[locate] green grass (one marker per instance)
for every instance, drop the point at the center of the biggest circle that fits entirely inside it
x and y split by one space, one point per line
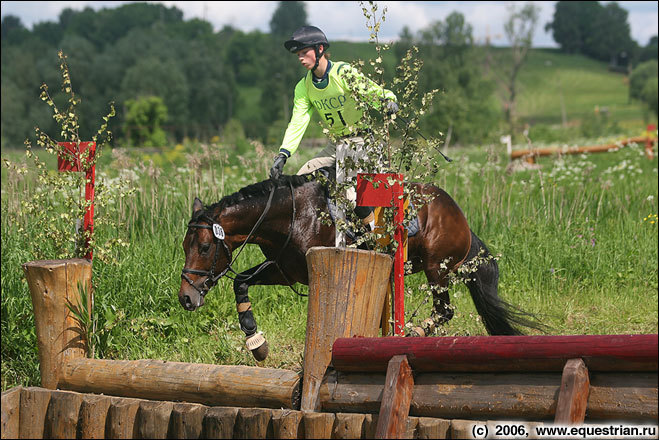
572 242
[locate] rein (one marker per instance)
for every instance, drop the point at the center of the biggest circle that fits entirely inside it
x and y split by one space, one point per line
219 236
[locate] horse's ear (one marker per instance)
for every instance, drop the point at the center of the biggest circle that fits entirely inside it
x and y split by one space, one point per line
197 205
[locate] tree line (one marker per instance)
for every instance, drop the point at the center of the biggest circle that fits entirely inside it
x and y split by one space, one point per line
172 78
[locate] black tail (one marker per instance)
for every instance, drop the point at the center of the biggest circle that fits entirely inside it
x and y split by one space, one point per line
499 317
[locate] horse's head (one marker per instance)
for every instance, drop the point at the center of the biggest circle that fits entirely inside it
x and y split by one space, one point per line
207 257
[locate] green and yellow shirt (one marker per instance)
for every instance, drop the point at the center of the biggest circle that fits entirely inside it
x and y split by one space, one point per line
333 101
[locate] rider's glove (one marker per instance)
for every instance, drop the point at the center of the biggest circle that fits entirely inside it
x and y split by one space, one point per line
390 108
278 166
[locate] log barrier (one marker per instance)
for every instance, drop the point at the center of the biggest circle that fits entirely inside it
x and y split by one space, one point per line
371 387
530 155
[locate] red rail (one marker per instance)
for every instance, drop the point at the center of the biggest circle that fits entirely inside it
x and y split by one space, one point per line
498 353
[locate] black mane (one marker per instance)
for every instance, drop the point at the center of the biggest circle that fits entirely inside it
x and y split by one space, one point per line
264 187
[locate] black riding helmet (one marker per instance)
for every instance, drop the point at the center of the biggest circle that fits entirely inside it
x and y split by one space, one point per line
307 36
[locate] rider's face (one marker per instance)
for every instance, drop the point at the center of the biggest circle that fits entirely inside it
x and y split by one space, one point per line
307 57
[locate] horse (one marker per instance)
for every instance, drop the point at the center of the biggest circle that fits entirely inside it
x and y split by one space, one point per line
282 217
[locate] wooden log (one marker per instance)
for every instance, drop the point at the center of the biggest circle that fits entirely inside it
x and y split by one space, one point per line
396 398
93 415
253 423
531 396
62 415
53 284
429 427
318 425
623 396
120 422
186 420
533 152
347 289
573 396
219 422
619 353
34 405
11 407
222 385
152 419
287 424
347 425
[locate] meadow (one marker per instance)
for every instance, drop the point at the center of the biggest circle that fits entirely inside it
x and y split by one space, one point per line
576 243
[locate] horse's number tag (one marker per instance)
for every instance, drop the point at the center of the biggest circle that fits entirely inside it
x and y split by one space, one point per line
218 231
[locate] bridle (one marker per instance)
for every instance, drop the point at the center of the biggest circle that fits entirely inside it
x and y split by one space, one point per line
219 236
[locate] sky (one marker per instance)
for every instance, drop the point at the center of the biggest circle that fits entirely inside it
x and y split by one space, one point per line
343 21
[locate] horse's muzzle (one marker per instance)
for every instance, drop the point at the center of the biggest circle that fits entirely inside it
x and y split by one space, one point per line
190 301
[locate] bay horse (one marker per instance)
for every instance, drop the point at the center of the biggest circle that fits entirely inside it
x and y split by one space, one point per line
281 217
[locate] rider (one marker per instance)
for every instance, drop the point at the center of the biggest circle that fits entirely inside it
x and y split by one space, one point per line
325 87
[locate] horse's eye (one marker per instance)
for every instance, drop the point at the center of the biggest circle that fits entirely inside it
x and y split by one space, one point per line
203 248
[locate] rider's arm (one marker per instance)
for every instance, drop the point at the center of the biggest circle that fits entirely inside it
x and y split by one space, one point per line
300 118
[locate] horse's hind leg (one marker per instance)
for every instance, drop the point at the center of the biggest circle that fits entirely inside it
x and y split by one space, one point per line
442 311
269 275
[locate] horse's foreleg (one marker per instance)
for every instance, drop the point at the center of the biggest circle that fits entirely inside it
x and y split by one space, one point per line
256 342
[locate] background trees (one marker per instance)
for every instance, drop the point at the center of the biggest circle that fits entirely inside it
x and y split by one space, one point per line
206 78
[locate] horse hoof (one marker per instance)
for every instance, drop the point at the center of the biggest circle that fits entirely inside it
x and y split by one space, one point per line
261 353
258 346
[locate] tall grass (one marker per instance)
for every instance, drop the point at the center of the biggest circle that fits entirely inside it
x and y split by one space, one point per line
576 243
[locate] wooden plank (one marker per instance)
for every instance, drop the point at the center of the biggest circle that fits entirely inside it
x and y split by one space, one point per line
348 425
253 423
531 396
219 422
34 405
11 407
318 425
186 420
617 353
396 399
347 289
121 418
573 396
93 415
62 415
221 385
287 424
152 419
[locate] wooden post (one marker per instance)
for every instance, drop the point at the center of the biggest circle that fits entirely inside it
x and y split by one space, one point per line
287 424
121 418
34 405
318 425
62 415
11 405
396 399
93 415
152 419
253 423
219 422
52 284
347 425
346 295
186 420
573 396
